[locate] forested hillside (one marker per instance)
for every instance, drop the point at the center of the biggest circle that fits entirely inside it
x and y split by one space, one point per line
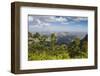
57 46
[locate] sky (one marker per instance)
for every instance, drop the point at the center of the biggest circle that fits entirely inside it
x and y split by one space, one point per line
43 23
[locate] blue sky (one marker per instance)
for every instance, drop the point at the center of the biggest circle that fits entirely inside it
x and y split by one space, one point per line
42 23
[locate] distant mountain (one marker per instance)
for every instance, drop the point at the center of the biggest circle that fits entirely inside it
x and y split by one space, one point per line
78 34
65 37
68 37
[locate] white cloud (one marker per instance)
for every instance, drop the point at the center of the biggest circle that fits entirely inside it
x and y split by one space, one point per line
46 19
45 23
36 22
81 19
61 19
56 19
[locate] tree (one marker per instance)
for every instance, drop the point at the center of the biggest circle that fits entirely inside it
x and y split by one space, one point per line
53 41
74 48
29 34
36 35
84 49
42 39
84 46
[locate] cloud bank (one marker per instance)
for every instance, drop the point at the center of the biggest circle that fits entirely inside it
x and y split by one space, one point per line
57 23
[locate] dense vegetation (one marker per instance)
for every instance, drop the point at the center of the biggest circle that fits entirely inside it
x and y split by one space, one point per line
42 47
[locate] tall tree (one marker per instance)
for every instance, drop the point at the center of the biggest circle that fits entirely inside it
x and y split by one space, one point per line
53 41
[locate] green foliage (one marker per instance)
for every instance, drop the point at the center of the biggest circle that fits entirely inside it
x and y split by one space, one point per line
29 34
53 41
84 49
36 35
74 48
43 48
